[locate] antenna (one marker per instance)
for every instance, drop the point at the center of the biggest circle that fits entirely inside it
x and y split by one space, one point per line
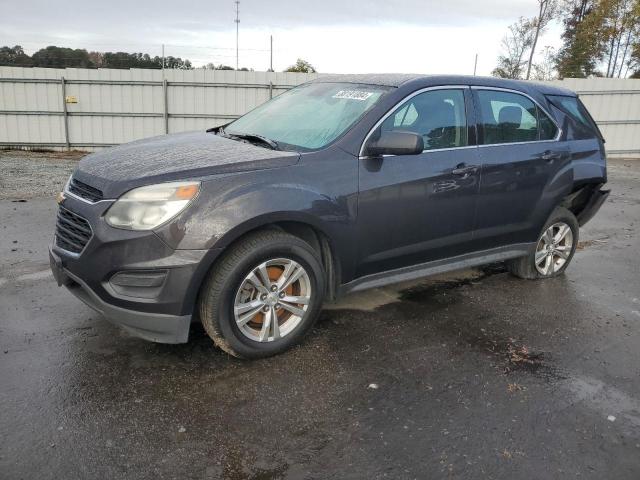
237 20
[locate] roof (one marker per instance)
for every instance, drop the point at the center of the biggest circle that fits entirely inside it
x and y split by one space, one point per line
385 79
422 81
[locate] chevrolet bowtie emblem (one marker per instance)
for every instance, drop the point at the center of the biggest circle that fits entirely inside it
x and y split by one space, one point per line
60 197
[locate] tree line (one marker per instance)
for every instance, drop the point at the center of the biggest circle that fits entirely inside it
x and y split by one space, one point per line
61 57
600 38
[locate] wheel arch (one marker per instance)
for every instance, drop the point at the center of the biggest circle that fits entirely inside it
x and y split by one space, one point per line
585 201
293 224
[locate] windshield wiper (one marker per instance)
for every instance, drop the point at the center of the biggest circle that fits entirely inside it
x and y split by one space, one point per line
254 136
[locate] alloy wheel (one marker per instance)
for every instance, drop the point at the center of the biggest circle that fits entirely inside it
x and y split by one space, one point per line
554 248
272 300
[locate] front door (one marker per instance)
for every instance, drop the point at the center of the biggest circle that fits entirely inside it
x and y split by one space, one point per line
417 208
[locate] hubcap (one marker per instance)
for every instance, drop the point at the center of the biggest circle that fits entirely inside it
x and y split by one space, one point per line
554 248
272 300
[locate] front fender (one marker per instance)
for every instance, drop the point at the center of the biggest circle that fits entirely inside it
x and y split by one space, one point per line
218 220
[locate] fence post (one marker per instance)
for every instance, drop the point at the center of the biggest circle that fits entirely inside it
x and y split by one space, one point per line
65 112
270 89
166 105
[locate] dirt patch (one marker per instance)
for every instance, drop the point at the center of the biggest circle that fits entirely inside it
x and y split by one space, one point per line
515 357
591 242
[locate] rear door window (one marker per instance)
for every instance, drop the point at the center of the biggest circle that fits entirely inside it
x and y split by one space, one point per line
507 117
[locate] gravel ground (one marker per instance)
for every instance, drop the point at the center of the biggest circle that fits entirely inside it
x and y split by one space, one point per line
28 175
477 375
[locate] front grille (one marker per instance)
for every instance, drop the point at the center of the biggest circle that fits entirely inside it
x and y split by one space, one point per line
72 231
85 191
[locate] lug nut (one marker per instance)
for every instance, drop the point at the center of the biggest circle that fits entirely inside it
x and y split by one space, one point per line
265 308
263 297
274 288
277 305
281 295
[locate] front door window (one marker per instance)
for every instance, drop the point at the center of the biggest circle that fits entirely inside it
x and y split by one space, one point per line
437 115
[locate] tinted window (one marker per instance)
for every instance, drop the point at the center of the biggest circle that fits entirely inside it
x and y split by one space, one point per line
437 115
548 129
507 117
582 126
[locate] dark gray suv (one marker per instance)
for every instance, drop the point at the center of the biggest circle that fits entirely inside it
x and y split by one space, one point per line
341 184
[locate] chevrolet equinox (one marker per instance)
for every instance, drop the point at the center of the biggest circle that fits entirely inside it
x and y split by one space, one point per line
340 184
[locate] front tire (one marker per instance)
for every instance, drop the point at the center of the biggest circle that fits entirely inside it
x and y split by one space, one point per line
554 250
263 295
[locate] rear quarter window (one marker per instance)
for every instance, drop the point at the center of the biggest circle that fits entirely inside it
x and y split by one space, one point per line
581 125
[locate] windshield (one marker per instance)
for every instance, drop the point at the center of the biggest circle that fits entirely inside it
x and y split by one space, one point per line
310 116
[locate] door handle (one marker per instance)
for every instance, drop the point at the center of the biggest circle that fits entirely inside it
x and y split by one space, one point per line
550 155
464 170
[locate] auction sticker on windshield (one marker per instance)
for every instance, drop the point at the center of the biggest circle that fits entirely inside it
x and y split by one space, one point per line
353 94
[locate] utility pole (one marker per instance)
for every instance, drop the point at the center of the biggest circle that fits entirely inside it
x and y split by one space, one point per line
163 60
475 65
271 58
237 31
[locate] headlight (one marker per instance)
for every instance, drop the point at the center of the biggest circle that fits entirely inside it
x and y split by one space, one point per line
148 207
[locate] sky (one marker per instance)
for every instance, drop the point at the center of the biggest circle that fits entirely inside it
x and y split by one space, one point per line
336 36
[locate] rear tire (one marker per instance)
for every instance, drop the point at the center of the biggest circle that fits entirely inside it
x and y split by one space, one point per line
554 249
263 295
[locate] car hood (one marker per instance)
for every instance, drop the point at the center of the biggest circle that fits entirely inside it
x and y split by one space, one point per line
174 157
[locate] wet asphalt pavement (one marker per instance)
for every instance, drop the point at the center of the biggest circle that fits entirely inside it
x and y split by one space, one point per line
472 375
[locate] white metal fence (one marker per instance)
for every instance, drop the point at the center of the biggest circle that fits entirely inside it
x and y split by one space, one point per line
89 109
614 103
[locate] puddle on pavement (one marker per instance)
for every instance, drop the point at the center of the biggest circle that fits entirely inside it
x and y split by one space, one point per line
428 290
424 288
441 291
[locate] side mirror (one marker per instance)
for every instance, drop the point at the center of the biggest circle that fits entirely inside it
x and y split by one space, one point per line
395 142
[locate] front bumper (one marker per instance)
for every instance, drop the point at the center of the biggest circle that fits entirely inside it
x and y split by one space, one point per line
134 279
155 327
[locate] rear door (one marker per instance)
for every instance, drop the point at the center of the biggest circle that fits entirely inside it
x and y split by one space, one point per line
520 156
417 208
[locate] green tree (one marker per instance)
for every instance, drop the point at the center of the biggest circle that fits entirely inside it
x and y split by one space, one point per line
577 57
301 66
546 12
174 62
14 56
213 66
619 30
60 57
545 67
599 34
514 46
97 58
634 62
128 60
